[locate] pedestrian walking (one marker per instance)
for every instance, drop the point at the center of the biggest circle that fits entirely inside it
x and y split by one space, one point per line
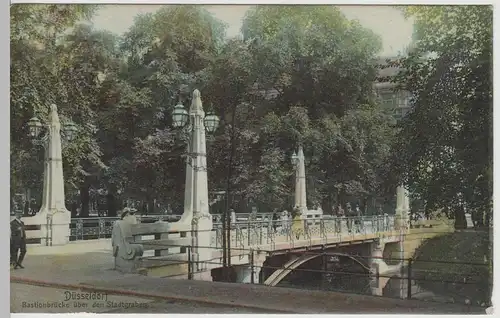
17 241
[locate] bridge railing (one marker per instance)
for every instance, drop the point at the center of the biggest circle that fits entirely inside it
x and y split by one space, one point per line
262 216
90 228
161 239
262 231
100 227
254 233
34 232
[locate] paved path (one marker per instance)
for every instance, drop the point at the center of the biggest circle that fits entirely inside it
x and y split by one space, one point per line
93 271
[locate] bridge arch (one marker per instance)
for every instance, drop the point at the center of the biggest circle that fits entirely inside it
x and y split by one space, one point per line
292 264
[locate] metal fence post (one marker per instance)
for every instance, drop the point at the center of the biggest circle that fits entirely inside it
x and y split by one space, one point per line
260 238
47 229
325 267
51 230
408 290
252 267
249 233
102 228
190 268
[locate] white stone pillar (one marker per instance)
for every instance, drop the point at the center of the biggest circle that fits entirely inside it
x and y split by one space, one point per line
199 217
402 206
377 267
244 274
300 183
53 217
188 190
406 204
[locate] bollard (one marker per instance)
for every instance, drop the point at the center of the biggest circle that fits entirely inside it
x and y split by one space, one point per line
252 267
408 288
190 269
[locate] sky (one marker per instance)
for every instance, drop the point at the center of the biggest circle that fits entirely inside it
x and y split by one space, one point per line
384 20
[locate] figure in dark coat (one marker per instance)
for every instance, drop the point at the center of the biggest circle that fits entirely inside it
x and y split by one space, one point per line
275 220
17 242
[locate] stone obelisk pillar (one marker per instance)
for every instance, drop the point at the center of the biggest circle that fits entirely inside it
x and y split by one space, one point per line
53 216
402 206
300 183
197 210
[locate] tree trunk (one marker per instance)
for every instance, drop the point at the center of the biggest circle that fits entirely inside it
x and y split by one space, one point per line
460 220
85 199
74 209
365 206
151 206
111 204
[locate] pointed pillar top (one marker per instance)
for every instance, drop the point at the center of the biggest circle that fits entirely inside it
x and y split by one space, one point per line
196 105
54 117
301 152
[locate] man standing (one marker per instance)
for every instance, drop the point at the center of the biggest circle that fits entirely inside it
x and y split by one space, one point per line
18 241
350 216
338 218
358 221
275 220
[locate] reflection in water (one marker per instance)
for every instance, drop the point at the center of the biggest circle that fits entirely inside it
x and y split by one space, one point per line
344 275
349 277
353 282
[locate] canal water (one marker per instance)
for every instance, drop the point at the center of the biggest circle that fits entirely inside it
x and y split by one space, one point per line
355 280
395 287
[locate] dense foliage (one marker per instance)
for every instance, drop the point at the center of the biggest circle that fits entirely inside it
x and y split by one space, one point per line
300 75
447 140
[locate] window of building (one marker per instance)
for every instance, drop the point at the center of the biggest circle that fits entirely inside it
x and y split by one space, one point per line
389 100
404 99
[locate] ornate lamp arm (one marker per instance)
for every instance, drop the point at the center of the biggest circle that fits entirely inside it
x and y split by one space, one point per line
43 139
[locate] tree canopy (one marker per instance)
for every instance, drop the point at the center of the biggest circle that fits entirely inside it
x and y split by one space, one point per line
446 140
301 75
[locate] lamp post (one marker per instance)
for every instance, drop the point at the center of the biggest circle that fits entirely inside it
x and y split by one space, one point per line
196 204
298 161
53 212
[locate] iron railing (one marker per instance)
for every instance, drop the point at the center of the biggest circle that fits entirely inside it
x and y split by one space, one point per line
101 227
246 233
253 233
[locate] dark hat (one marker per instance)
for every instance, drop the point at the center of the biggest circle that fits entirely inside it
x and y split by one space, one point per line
126 212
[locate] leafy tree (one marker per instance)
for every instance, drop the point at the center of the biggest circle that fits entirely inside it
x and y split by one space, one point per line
302 75
168 54
316 70
38 63
446 141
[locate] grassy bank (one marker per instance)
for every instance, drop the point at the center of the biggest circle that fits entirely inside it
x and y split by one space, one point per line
456 265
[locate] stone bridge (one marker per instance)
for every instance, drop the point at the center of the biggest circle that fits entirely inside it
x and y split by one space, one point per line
165 249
